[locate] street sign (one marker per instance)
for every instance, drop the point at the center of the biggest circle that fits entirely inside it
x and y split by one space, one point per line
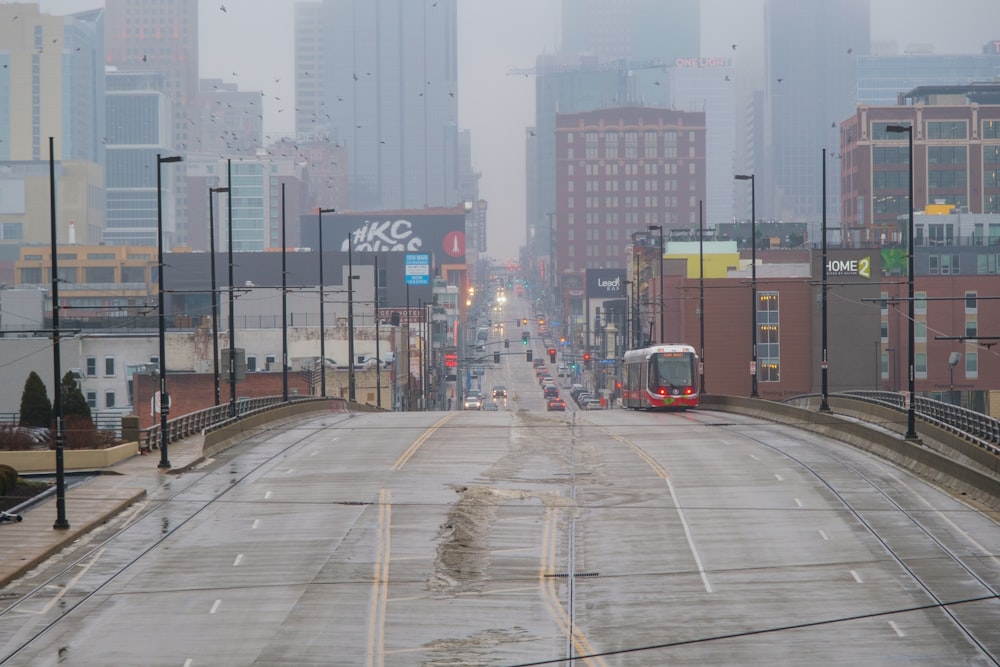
418 269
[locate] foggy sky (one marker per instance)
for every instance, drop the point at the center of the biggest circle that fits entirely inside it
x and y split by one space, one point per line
254 39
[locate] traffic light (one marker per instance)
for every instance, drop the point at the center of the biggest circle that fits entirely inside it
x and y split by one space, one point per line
518 323
524 321
586 359
506 343
552 355
529 355
524 337
496 357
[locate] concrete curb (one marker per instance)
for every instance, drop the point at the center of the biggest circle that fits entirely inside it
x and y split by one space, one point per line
911 455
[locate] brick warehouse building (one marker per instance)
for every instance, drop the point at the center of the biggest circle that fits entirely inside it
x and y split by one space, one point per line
867 327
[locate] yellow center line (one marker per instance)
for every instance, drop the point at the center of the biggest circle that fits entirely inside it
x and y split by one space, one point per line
547 584
412 449
380 583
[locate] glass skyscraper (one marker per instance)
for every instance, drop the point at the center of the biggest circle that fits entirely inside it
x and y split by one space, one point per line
383 84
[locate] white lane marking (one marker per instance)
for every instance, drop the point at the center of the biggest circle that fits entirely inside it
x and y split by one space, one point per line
290 471
239 559
798 502
314 454
188 662
754 457
778 477
215 606
824 536
895 628
690 539
255 524
267 495
857 577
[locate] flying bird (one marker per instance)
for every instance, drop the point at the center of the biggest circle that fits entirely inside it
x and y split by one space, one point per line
144 57
656 83
727 77
734 47
222 8
850 50
355 76
780 79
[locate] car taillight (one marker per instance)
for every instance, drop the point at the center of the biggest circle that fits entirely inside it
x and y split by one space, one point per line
662 391
688 391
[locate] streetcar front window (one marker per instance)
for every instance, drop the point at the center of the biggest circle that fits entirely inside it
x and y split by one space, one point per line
672 370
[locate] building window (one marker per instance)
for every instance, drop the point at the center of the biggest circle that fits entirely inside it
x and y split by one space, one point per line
649 144
920 364
971 302
251 363
946 155
884 364
920 332
109 399
109 366
91 364
971 329
920 303
991 129
631 145
971 365
768 338
946 129
611 145
590 148
92 399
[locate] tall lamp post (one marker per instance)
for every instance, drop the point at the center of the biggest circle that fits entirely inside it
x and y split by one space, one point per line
61 522
232 296
663 305
215 296
753 280
322 308
350 322
284 303
164 398
824 405
911 412
701 298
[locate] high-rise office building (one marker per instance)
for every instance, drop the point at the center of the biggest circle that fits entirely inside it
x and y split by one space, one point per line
161 36
51 86
138 128
811 48
882 79
384 84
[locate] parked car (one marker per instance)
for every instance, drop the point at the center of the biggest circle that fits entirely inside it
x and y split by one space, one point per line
592 404
491 406
556 404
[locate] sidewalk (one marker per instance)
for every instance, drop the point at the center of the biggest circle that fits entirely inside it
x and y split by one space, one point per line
25 544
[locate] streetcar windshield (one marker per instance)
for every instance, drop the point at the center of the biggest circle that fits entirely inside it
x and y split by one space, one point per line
673 369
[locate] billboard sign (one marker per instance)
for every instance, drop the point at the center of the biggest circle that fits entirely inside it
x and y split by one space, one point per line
418 269
605 283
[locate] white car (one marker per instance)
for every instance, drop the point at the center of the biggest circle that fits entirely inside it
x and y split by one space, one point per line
472 403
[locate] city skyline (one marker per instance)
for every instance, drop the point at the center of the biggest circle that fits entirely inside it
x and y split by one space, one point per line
496 37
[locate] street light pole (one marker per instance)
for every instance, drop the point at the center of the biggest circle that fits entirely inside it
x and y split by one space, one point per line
701 297
911 412
284 303
824 405
322 308
215 296
350 322
164 398
232 296
753 280
378 352
61 522
663 304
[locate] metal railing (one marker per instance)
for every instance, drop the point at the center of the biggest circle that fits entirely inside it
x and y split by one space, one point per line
103 421
212 418
971 425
